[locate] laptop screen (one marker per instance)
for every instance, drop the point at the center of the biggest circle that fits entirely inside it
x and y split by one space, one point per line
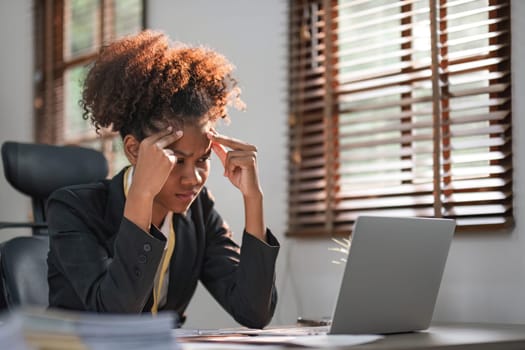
392 275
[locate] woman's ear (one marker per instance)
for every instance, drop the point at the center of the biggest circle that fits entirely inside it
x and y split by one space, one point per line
131 148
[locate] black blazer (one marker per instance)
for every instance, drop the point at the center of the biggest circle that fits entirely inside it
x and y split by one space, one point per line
100 261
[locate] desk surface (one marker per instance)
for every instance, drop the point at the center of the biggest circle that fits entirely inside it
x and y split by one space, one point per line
457 336
441 336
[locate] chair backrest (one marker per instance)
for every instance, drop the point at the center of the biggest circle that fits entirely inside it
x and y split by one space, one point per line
23 270
37 170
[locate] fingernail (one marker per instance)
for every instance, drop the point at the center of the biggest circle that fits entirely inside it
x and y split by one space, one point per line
179 133
170 128
209 134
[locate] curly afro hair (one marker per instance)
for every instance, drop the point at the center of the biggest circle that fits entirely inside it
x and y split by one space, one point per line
144 82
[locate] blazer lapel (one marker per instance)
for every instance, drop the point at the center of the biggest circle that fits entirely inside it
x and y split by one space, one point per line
115 205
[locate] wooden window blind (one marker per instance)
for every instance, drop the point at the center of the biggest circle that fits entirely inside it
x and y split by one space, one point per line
68 36
399 108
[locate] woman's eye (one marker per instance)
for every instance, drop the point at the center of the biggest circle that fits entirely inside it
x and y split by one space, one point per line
180 160
203 159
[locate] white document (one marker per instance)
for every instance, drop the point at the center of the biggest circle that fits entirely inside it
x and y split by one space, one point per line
300 336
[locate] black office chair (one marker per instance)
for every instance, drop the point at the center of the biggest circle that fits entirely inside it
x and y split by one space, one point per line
24 271
36 170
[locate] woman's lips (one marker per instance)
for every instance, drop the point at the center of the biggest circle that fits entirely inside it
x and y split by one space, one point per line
186 196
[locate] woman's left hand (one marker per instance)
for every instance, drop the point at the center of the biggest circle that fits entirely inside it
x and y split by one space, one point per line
240 163
240 166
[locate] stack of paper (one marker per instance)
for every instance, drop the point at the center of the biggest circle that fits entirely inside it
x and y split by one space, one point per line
52 329
11 336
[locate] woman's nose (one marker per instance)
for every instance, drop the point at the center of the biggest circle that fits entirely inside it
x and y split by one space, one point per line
192 176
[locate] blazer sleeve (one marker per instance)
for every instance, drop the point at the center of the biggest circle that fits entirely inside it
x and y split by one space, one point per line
117 282
242 280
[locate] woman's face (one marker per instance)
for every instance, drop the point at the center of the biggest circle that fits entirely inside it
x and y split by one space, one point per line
191 170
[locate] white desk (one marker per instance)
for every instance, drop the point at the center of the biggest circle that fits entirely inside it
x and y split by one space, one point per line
443 336
455 336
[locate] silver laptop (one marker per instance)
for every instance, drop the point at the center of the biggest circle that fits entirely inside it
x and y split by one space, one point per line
392 275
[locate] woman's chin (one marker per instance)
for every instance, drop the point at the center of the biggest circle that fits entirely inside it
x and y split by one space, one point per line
181 208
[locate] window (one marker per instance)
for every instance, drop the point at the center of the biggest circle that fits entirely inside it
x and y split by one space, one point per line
68 35
399 108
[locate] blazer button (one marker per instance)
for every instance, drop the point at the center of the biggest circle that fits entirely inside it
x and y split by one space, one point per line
147 247
137 272
142 259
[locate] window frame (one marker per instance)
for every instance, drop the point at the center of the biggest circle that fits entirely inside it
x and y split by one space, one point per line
51 67
312 60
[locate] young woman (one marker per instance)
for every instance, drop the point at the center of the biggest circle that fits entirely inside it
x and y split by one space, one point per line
141 241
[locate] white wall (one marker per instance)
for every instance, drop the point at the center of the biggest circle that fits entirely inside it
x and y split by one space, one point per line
485 276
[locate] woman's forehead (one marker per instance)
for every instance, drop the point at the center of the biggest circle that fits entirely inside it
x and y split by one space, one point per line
194 141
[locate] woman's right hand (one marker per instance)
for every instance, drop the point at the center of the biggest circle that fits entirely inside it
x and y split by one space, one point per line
152 168
154 162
